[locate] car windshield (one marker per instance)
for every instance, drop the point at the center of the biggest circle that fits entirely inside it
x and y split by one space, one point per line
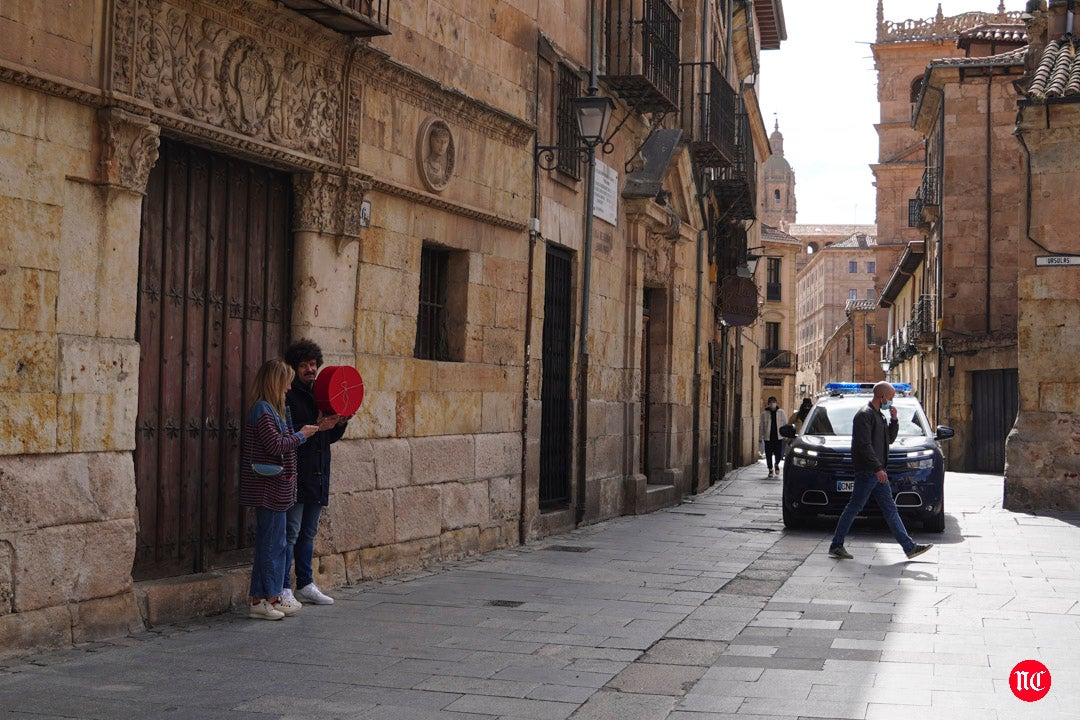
835 417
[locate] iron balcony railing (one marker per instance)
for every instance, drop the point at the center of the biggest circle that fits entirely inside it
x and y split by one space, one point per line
735 187
776 360
642 54
361 18
708 110
928 195
922 327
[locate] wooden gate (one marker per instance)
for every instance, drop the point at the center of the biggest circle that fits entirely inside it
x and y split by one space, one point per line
555 421
995 401
213 288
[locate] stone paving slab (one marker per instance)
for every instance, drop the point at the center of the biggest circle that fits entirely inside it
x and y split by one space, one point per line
704 611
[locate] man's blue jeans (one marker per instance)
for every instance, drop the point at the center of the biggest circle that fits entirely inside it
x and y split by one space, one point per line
301 526
866 484
269 565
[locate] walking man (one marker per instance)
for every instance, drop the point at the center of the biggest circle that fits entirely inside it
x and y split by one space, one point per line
312 471
870 440
771 421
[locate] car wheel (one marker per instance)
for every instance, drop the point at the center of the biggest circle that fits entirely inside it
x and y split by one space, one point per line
936 524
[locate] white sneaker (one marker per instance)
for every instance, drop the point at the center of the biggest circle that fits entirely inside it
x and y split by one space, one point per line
263 610
286 594
310 593
288 606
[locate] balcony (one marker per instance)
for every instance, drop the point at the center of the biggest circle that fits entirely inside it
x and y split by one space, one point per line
925 207
735 187
708 108
922 330
359 18
776 360
641 44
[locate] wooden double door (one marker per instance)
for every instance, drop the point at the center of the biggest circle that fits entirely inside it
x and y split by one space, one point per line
214 265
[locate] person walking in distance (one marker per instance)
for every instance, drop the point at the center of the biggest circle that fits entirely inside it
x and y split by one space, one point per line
870 440
771 419
312 472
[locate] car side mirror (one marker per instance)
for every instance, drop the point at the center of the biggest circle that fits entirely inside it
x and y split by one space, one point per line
944 432
787 431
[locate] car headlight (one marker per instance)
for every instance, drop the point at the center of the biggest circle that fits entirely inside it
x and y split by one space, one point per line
925 464
799 461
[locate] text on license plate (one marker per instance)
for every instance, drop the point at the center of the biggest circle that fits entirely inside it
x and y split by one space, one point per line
845 486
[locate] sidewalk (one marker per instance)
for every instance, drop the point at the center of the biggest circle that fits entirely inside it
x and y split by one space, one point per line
703 611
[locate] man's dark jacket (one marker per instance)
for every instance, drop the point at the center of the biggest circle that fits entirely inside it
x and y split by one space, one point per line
870 439
313 457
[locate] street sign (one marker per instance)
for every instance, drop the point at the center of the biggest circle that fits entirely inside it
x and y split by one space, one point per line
1057 261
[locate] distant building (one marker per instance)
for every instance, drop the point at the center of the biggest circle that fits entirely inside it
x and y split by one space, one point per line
776 324
833 277
778 181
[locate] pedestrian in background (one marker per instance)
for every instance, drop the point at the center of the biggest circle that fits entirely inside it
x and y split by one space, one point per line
771 420
870 440
312 472
268 484
799 419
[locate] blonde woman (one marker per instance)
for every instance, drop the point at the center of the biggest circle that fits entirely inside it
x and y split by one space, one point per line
268 484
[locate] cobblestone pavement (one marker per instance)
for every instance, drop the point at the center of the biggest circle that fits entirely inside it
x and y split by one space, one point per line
702 611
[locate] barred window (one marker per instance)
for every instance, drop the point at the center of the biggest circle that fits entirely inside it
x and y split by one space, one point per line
431 326
568 160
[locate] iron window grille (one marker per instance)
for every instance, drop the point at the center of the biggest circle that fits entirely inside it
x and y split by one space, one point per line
431 327
568 157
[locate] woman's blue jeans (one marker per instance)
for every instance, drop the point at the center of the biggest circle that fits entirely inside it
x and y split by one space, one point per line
866 484
269 565
302 523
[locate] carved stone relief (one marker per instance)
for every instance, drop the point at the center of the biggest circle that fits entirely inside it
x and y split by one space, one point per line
658 261
203 69
435 154
329 204
128 149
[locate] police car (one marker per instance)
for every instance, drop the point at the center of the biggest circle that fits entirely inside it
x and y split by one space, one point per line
818 470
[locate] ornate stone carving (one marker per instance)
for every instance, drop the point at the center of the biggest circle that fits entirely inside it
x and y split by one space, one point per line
223 73
658 261
328 203
128 149
435 154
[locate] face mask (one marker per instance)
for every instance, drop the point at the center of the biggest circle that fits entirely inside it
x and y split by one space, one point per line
886 404
772 406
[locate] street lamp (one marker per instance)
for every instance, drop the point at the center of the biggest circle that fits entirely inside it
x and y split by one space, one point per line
802 389
751 261
886 366
593 115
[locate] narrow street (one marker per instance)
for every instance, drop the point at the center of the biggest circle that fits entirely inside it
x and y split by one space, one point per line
703 611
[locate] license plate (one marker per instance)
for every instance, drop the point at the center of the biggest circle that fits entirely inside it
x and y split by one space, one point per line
845 486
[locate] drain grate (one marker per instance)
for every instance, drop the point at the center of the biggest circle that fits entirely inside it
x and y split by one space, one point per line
506 603
569 548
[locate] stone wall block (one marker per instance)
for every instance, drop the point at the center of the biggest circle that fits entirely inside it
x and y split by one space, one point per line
501 412
68 489
498 455
352 467
101 618
463 504
416 513
393 462
27 362
188 596
356 520
401 557
457 544
28 423
98 422
7 587
36 630
329 571
504 498
445 413
57 565
442 458
32 226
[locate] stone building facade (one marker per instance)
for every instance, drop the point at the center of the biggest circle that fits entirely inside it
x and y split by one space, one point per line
961 327
1042 468
775 327
778 204
190 184
834 276
850 354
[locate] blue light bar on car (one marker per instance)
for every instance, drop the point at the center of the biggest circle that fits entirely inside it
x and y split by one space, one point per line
854 387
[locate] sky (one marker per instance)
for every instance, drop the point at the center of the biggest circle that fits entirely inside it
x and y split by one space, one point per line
822 88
